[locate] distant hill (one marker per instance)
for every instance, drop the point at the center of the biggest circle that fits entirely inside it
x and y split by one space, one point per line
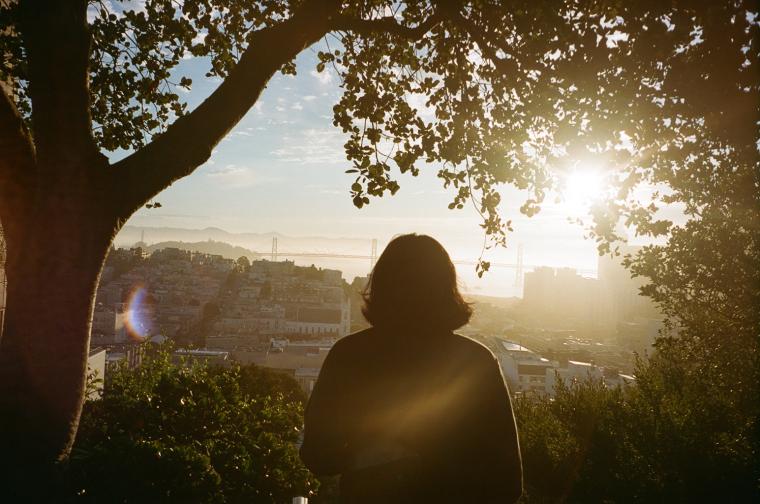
255 242
207 247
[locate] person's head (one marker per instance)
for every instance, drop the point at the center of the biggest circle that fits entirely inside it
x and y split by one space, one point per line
414 284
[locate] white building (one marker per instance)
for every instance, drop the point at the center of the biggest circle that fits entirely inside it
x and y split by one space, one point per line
96 367
325 319
527 372
524 370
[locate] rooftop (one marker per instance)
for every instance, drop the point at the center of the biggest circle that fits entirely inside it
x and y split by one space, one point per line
510 346
579 363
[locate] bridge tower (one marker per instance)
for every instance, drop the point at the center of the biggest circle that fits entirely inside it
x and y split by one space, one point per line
519 268
274 248
373 255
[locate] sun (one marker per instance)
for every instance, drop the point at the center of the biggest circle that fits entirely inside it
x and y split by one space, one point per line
580 188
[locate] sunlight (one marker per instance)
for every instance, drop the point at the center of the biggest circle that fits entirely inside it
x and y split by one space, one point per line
580 188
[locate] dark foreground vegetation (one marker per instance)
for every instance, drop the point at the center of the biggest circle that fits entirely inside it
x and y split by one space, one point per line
167 432
191 433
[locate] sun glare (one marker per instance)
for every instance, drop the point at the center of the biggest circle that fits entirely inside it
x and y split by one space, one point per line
580 188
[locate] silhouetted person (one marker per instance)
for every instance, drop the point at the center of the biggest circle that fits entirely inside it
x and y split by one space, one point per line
408 411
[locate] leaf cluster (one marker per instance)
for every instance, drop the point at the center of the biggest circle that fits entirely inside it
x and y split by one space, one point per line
678 435
188 432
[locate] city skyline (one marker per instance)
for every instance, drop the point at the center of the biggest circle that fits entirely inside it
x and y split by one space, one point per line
352 256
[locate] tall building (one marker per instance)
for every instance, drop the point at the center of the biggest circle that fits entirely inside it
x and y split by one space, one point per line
620 292
561 293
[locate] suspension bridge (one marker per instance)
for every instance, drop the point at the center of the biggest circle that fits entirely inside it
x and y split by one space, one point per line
518 266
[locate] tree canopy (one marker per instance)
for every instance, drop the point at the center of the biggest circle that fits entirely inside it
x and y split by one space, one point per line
489 92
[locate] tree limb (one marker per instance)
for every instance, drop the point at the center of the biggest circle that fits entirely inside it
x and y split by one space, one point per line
188 142
503 65
387 24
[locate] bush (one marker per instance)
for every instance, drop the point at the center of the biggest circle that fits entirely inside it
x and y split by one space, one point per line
680 435
190 433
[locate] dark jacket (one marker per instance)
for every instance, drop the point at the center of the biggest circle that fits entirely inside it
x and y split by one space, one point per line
413 418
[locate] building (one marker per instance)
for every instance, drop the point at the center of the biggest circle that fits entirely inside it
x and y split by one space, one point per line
620 292
203 355
299 359
96 372
319 321
562 293
528 373
108 326
524 370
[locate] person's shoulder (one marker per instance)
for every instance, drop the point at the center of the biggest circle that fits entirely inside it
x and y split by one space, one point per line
472 348
352 342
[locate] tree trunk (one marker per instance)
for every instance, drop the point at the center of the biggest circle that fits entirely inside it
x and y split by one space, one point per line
52 271
62 202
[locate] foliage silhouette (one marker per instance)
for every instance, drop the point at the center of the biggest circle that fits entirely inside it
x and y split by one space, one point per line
671 438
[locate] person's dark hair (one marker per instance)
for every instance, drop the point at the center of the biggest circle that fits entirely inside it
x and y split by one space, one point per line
414 285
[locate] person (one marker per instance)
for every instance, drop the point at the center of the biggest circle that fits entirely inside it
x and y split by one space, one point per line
408 411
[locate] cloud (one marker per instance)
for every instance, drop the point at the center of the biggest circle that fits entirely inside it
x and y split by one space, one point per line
313 146
200 37
419 101
297 106
309 98
236 176
93 11
323 77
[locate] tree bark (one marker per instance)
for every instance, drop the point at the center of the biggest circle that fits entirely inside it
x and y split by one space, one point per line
52 274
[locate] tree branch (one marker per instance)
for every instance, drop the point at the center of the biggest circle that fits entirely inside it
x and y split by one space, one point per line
387 24
17 165
188 142
503 65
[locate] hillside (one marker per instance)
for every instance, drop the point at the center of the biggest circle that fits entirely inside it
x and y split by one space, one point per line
207 247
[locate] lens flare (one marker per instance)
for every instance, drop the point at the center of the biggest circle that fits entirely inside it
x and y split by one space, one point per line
138 314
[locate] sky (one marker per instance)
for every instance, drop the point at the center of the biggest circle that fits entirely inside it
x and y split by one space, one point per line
282 169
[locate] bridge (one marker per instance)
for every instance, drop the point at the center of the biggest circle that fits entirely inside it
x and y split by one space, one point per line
518 266
373 256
